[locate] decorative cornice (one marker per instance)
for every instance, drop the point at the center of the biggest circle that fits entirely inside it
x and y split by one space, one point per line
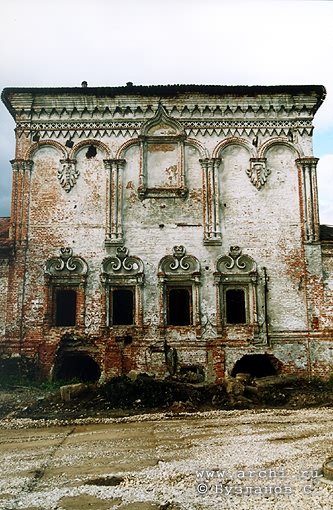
224 127
137 99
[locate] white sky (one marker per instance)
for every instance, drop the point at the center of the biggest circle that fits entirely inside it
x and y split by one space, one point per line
50 43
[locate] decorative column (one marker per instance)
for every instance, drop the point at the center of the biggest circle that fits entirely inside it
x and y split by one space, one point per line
21 197
114 213
309 196
212 232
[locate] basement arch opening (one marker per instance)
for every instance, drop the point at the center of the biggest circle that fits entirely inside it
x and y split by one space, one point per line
257 365
76 366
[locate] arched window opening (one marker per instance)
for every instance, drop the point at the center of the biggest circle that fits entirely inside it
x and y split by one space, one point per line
236 280
123 278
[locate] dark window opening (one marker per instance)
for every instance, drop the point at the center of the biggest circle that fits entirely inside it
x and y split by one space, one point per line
257 365
70 367
235 302
122 306
179 307
65 308
192 373
91 152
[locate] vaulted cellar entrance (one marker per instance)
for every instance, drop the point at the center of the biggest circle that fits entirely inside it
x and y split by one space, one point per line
74 361
257 365
78 367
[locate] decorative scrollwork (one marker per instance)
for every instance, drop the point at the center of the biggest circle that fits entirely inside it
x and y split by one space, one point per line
236 261
179 262
121 263
66 263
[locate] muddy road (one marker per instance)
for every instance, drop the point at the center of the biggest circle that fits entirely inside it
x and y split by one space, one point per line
239 459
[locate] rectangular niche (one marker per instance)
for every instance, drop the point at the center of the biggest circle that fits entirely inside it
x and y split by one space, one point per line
162 158
163 165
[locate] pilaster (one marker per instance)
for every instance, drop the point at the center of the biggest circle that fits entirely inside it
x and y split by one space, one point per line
21 198
309 197
212 232
114 199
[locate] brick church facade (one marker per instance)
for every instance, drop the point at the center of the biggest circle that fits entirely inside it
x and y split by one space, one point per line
166 229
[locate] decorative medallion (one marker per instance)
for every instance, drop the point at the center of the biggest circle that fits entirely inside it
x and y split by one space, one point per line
68 174
258 172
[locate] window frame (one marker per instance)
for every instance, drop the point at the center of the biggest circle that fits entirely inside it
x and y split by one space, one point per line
122 271
180 270
239 272
65 272
157 132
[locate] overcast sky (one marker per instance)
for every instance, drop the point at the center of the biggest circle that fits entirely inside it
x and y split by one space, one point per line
60 43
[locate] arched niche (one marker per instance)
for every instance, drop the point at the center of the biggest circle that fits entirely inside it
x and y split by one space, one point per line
236 142
40 146
90 149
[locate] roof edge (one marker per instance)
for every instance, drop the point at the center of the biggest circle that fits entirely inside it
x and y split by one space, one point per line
167 91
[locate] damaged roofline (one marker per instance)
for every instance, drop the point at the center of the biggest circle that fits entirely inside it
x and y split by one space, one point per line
166 91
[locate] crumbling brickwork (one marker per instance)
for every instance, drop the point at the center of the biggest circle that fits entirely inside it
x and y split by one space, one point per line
166 228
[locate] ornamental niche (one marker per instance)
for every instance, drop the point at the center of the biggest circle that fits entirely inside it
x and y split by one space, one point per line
162 158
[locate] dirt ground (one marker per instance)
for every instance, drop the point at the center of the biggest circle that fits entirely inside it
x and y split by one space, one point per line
167 445
123 396
240 459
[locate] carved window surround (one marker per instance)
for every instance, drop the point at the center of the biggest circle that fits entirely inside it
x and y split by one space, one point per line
179 270
119 271
212 232
65 272
114 202
162 158
236 271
